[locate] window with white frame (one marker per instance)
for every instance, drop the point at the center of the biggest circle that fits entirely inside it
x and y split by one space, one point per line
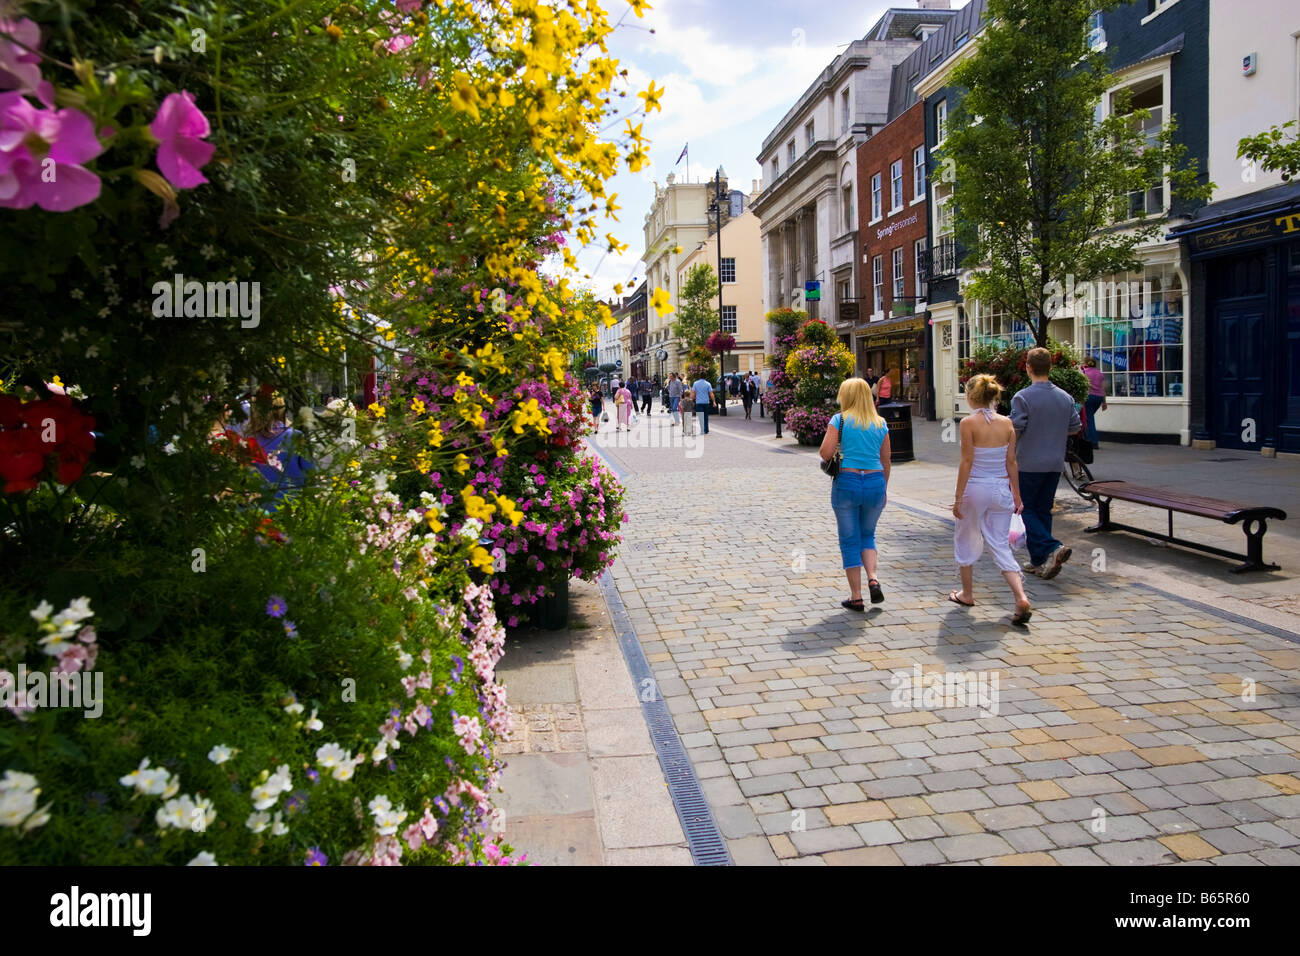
1148 95
776 167
878 282
918 173
789 153
876 212
896 185
922 285
898 273
847 202
940 121
990 326
1096 35
729 318
1132 324
943 218
809 134
728 273
844 111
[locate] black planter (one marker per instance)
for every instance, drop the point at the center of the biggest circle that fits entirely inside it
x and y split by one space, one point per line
551 613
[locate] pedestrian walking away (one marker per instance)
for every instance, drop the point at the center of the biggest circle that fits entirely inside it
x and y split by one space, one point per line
703 394
623 407
858 492
597 404
647 395
1044 417
675 389
1096 398
987 495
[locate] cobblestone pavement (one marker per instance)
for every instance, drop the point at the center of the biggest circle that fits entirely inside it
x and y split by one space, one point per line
1123 726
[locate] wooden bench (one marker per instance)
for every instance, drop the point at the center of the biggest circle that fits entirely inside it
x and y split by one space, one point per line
1253 520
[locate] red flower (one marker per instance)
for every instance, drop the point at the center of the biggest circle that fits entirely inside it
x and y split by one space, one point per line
31 432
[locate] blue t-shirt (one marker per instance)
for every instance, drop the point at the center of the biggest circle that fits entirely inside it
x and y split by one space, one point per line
701 389
861 444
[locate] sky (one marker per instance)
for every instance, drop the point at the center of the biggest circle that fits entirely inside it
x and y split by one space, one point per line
730 70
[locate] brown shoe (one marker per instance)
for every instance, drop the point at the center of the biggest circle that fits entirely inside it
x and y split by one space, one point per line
1053 565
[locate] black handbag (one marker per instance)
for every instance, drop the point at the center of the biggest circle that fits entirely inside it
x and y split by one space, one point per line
832 464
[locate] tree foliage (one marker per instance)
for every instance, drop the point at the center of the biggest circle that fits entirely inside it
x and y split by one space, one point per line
696 317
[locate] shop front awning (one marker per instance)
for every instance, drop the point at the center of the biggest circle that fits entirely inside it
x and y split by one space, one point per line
1243 222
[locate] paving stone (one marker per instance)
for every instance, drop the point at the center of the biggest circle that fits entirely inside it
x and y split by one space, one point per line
1135 853
1077 856
1230 840
973 846
1008 818
826 839
918 828
920 853
1028 839
1270 834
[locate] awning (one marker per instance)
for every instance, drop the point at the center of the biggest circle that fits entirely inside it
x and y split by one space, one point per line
1255 219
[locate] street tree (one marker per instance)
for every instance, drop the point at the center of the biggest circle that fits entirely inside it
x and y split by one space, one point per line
696 317
1043 187
1273 150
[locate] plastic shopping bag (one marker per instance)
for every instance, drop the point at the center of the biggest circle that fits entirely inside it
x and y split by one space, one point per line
633 419
1017 537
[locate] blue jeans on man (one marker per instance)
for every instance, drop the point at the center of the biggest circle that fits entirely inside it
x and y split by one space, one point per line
702 409
1038 493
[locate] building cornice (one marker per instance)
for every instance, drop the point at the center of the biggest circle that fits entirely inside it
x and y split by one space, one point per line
828 78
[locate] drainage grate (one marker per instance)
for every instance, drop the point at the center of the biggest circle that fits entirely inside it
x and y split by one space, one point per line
702 837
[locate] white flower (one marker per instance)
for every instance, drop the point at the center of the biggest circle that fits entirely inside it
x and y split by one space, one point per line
257 822
388 821
146 779
77 294
207 251
92 352
295 708
220 754
137 461
471 529
207 814
170 448
331 755
281 779
173 787
278 828
380 804
15 780
169 262
314 723
264 795
178 813
380 751
404 659
102 313
16 806
203 859
42 612
344 771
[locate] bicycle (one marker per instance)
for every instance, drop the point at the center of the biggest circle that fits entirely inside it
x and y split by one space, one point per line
1076 473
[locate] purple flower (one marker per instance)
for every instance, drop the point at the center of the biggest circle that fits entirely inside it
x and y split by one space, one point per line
276 607
290 629
180 128
316 858
41 152
313 775
20 66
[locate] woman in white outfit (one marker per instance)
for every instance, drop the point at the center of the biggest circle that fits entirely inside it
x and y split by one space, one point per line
988 493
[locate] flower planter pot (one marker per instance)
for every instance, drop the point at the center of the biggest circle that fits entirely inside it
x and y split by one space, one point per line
551 613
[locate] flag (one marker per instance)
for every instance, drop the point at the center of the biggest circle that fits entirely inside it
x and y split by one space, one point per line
683 153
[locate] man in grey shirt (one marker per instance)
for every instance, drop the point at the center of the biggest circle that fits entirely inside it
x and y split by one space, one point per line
1044 416
675 389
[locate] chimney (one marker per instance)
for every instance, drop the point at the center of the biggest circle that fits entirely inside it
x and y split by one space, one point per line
754 191
934 4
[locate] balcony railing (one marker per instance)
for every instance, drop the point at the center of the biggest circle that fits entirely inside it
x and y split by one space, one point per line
941 261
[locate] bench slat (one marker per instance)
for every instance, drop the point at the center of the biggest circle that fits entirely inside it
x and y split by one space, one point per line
1186 504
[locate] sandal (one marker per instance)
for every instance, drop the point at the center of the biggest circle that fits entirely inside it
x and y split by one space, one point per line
952 596
877 595
1022 617
853 604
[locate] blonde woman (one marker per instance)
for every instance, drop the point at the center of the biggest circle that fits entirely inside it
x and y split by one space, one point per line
858 492
988 493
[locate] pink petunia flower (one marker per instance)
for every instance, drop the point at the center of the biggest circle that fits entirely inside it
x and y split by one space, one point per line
20 64
180 127
41 152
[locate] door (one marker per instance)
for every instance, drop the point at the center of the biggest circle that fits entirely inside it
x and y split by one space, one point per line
1241 408
944 377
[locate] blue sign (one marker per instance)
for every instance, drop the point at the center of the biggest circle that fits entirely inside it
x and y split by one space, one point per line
812 290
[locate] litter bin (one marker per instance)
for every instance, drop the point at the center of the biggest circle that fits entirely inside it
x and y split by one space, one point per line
899 418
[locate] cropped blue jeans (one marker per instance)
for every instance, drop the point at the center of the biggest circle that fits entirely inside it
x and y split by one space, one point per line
857 498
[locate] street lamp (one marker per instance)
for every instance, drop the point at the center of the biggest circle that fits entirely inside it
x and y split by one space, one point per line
715 208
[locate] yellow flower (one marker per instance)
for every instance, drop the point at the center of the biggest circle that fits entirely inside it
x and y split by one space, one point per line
635 133
435 434
651 97
660 302
508 510
417 406
431 517
639 5
614 245
377 410
462 464
612 207
637 159
465 97
476 506
481 559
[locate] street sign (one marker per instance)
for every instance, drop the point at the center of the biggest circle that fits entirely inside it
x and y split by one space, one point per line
619 363
848 311
812 290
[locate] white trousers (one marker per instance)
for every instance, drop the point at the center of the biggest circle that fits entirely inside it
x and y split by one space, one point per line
986 518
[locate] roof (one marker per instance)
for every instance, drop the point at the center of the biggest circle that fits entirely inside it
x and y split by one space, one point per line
941 44
900 24
1168 48
1249 204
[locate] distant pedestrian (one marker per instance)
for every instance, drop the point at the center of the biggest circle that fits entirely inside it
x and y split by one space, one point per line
1044 417
872 379
1096 397
647 394
884 388
623 403
747 397
858 493
988 494
675 389
597 404
703 394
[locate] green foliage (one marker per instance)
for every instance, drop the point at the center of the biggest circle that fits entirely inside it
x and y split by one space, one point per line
1008 365
1040 184
696 318
1273 151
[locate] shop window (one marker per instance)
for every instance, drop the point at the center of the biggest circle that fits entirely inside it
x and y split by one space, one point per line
1132 324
